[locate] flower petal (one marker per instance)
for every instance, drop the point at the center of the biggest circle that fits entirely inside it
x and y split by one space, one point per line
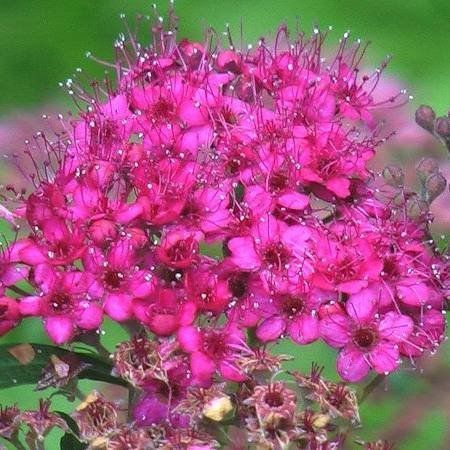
352 365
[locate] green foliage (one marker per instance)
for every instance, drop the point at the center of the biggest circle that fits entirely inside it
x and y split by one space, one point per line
27 368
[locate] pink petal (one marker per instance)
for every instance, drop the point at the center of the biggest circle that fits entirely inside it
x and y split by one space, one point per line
90 318
335 330
45 276
163 324
384 357
187 313
30 306
271 329
340 186
32 255
189 338
293 200
395 327
230 372
361 307
269 229
304 329
202 366
128 212
243 253
11 274
352 365
60 329
413 292
118 307
295 237
142 284
352 287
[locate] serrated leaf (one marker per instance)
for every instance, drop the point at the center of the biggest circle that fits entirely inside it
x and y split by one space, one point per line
16 371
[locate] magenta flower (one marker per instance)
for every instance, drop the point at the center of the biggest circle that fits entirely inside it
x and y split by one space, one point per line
214 349
294 313
64 302
346 265
164 312
213 195
117 280
366 338
275 250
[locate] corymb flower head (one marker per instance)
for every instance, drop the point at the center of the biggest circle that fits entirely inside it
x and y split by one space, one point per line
214 199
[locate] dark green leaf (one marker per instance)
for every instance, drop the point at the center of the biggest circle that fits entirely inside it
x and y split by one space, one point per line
70 422
24 363
70 442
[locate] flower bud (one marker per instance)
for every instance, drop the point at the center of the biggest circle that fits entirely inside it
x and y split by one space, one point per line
443 127
217 408
425 167
394 176
435 185
320 420
425 117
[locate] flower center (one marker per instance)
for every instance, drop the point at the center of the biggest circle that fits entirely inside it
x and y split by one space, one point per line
228 115
364 337
275 254
181 250
215 345
290 306
162 109
390 268
274 399
278 181
113 279
326 165
238 284
344 270
61 303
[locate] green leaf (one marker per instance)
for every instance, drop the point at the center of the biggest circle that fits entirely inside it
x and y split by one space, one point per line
70 422
23 364
70 442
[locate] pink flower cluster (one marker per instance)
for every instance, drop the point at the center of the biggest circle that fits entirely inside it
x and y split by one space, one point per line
216 191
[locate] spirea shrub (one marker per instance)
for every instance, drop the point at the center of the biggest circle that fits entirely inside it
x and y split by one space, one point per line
215 200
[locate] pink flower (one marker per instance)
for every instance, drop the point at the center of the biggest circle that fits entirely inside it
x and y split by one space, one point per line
63 302
213 349
117 279
164 312
347 265
179 248
293 313
274 249
366 339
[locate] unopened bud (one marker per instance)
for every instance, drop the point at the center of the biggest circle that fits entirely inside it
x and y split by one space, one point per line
394 176
435 185
218 408
425 167
320 420
425 117
443 127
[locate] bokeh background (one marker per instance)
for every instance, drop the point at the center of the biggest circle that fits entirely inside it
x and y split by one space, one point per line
43 41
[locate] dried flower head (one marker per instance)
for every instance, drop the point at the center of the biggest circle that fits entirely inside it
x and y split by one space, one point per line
9 420
138 360
96 418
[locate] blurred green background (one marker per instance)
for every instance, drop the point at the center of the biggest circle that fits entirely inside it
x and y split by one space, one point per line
43 41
